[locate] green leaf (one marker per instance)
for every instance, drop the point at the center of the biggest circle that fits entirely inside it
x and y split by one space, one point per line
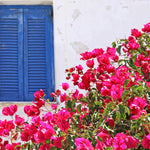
97 103
114 115
113 44
70 142
121 60
125 83
79 108
109 148
84 100
140 89
100 139
119 49
90 134
53 148
108 108
122 111
131 64
124 94
123 40
127 110
71 104
118 116
148 46
47 141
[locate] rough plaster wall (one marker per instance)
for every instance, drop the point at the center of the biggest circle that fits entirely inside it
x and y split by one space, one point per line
81 25
25 2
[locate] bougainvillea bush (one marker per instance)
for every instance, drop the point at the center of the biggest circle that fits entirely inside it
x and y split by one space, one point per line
109 110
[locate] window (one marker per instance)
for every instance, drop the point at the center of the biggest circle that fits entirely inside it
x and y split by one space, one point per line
26 52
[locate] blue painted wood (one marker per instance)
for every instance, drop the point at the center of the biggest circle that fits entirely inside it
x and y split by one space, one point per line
26 52
26 7
11 65
50 64
37 57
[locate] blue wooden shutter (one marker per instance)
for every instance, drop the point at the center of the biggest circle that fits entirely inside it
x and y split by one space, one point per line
11 55
38 52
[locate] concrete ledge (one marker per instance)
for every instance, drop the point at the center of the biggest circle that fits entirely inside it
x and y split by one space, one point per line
26 2
22 104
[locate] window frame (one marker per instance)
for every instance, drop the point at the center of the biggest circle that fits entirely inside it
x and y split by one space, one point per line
51 39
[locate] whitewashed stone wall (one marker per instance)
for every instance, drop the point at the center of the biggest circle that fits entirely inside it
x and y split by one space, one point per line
81 25
87 24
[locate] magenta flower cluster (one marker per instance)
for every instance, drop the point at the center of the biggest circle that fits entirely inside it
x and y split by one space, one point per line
108 110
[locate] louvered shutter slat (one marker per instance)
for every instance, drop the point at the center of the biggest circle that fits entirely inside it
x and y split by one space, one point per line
10 55
38 72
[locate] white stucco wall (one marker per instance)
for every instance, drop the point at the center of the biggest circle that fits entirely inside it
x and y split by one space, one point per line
26 2
81 25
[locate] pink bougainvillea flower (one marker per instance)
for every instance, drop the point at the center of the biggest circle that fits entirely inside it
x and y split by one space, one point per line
136 106
148 106
99 145
6 127
31 110
19 121
122 142
90 63
75 79
116 91
110 68
140 102
83 144
146 142
54 106
65 86
79 69
97 52
105 91
13 146
58 92
103 59
111 51
39 103
49 132
115 58
45 147
110 122
106 138
135 117
99 85
53 94
48 116
63 125
146 28
25 136
136 33
63 114
30 129
86 55
119 142
58 141
39 137
63 97
39 94
148 84
5 111
9 110
131 142
36 120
